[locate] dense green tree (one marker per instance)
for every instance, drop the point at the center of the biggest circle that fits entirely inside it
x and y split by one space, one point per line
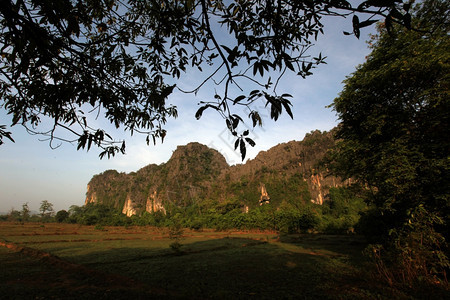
395 138
72 61
61 216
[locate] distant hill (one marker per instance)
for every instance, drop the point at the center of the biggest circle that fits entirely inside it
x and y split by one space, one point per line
287 174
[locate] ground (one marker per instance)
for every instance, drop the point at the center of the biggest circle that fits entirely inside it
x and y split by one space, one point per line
65 261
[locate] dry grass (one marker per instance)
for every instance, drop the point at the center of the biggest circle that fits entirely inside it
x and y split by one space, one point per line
65 261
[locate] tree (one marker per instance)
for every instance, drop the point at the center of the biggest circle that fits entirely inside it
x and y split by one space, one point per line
14 215
395 139
46 209
71 61
25 212
61 216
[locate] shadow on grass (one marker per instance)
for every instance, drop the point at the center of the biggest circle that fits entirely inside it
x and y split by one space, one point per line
292 267
228 268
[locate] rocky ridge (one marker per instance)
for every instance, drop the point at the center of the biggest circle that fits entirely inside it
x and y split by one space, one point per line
198 175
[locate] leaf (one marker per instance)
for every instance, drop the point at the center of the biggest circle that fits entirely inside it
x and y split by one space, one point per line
82 141
236 144
255 68
246 133
90 141
229 51
256 119
289 65
250 142
355 22
286 105
235 123
199 112
242 149
238 99
102 154
229 124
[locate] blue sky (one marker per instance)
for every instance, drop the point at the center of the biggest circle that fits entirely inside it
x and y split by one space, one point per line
30 171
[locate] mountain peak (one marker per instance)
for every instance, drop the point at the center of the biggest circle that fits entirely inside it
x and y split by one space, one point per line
197 173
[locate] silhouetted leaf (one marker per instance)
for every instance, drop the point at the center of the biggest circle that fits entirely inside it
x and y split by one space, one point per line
242 148
238 99
286 105
250 142
355 22
200 111
256 119
235 123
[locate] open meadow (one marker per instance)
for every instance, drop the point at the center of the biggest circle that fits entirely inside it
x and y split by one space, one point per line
68 261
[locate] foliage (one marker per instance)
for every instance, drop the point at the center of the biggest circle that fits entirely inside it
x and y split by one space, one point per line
97 214
5 134
341 211
176 235
61 216
46 210
72 61
14 215
395 135
417 255
25 212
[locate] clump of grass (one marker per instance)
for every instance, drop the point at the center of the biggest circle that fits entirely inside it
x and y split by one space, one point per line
99 227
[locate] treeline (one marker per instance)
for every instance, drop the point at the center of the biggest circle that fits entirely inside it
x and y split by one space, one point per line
339 214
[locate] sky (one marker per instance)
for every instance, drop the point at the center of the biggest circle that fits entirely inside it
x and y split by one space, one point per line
30 171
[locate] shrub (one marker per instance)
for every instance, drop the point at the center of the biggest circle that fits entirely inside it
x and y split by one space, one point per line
416 254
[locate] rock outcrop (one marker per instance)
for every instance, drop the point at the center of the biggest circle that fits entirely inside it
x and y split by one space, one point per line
264 199
128 208
288 172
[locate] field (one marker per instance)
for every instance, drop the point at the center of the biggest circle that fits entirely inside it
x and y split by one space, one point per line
63 261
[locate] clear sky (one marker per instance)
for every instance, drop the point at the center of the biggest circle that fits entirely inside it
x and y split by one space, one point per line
30 171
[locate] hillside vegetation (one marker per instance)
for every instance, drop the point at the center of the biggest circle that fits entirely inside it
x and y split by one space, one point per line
198 175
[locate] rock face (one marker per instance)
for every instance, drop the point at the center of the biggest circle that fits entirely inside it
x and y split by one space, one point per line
288 172
128 208
154 204
264 199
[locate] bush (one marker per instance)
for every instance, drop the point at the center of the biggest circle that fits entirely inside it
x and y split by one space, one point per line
416 254
61 216
176 235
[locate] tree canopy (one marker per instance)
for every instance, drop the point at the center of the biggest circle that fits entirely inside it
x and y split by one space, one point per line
74 61
395 137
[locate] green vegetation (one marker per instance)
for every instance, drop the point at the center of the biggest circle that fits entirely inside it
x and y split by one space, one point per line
67 261
75 61
395 141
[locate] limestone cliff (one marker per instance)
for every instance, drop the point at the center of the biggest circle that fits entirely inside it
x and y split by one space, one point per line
288 172
91 197
128 208
186 178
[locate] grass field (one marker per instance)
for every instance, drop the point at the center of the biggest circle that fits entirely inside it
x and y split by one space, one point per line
64 261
